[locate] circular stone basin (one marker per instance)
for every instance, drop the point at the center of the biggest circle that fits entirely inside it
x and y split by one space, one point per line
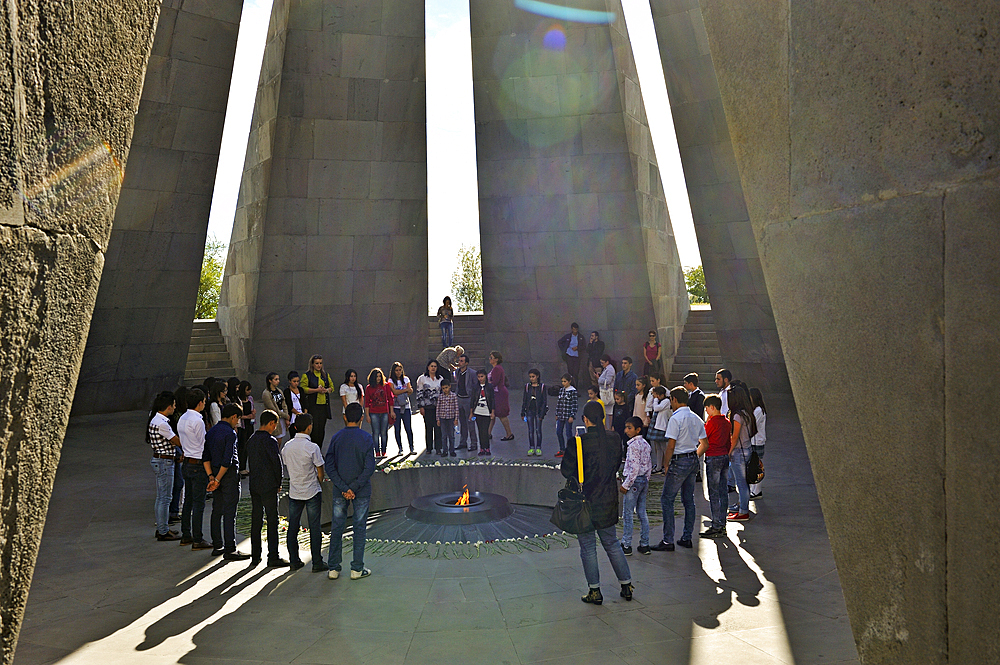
441 508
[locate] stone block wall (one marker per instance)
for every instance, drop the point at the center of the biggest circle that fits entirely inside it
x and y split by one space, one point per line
141 328
329 250
572 217
867 140
64 136
741 307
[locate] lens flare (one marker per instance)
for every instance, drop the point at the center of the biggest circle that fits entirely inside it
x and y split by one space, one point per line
77 170
561 13
555 39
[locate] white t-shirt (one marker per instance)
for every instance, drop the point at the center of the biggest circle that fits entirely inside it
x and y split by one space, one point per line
351 393
724 396
661 412
760 438
191 430
301 457
296 403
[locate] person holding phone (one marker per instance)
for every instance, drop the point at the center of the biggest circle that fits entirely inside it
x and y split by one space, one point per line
601 457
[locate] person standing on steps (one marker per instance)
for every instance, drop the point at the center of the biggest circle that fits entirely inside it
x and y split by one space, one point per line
265 485
501 396
465 385
317 386
685 437
652 351
446 320
570 345
447 360
601 458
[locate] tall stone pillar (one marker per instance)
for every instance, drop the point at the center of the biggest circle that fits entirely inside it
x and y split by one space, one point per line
868 138
70 77
141 328
329 246
744 322
573 220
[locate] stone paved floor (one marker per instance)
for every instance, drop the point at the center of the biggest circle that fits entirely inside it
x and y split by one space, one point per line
105 591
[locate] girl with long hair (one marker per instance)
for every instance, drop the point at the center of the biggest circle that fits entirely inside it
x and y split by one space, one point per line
758 441
351 391
642 392
274 400
401 389
744 428
428 391
243 390
379 399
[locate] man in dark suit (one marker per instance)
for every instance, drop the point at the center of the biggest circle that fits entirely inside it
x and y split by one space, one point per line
265 485
696 398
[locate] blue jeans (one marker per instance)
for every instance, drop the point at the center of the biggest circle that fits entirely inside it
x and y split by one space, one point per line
564 431
534 431
403 420
163 469
448 435
680 477
717 480
588 554
447 334
337 531
313 507
193 515
635 500
380 431
738 474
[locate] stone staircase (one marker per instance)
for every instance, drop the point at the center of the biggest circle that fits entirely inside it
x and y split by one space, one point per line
208 354
698 351
470 334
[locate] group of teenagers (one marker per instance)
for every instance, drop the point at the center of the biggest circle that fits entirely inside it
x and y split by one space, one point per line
692 436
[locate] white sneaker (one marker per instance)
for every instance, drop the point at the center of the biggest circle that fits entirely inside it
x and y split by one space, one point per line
333 574
358 574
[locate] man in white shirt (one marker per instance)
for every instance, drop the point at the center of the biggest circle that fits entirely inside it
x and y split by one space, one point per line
722 380
685 432
191 431
304 462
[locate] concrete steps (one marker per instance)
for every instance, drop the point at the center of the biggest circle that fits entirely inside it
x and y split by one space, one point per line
208 354
470 334
698 351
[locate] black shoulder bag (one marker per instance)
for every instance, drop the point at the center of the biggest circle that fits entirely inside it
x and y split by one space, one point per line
572 511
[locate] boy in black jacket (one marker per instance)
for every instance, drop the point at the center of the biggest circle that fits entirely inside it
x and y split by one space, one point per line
534 406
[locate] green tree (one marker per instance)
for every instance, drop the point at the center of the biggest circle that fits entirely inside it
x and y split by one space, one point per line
210 286
695 280
467 280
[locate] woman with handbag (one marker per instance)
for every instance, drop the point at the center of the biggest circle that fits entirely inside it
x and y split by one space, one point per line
744 428
601 456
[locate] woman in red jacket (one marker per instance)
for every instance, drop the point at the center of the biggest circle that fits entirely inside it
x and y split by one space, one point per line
379 399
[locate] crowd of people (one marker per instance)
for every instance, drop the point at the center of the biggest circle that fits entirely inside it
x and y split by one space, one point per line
204 439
